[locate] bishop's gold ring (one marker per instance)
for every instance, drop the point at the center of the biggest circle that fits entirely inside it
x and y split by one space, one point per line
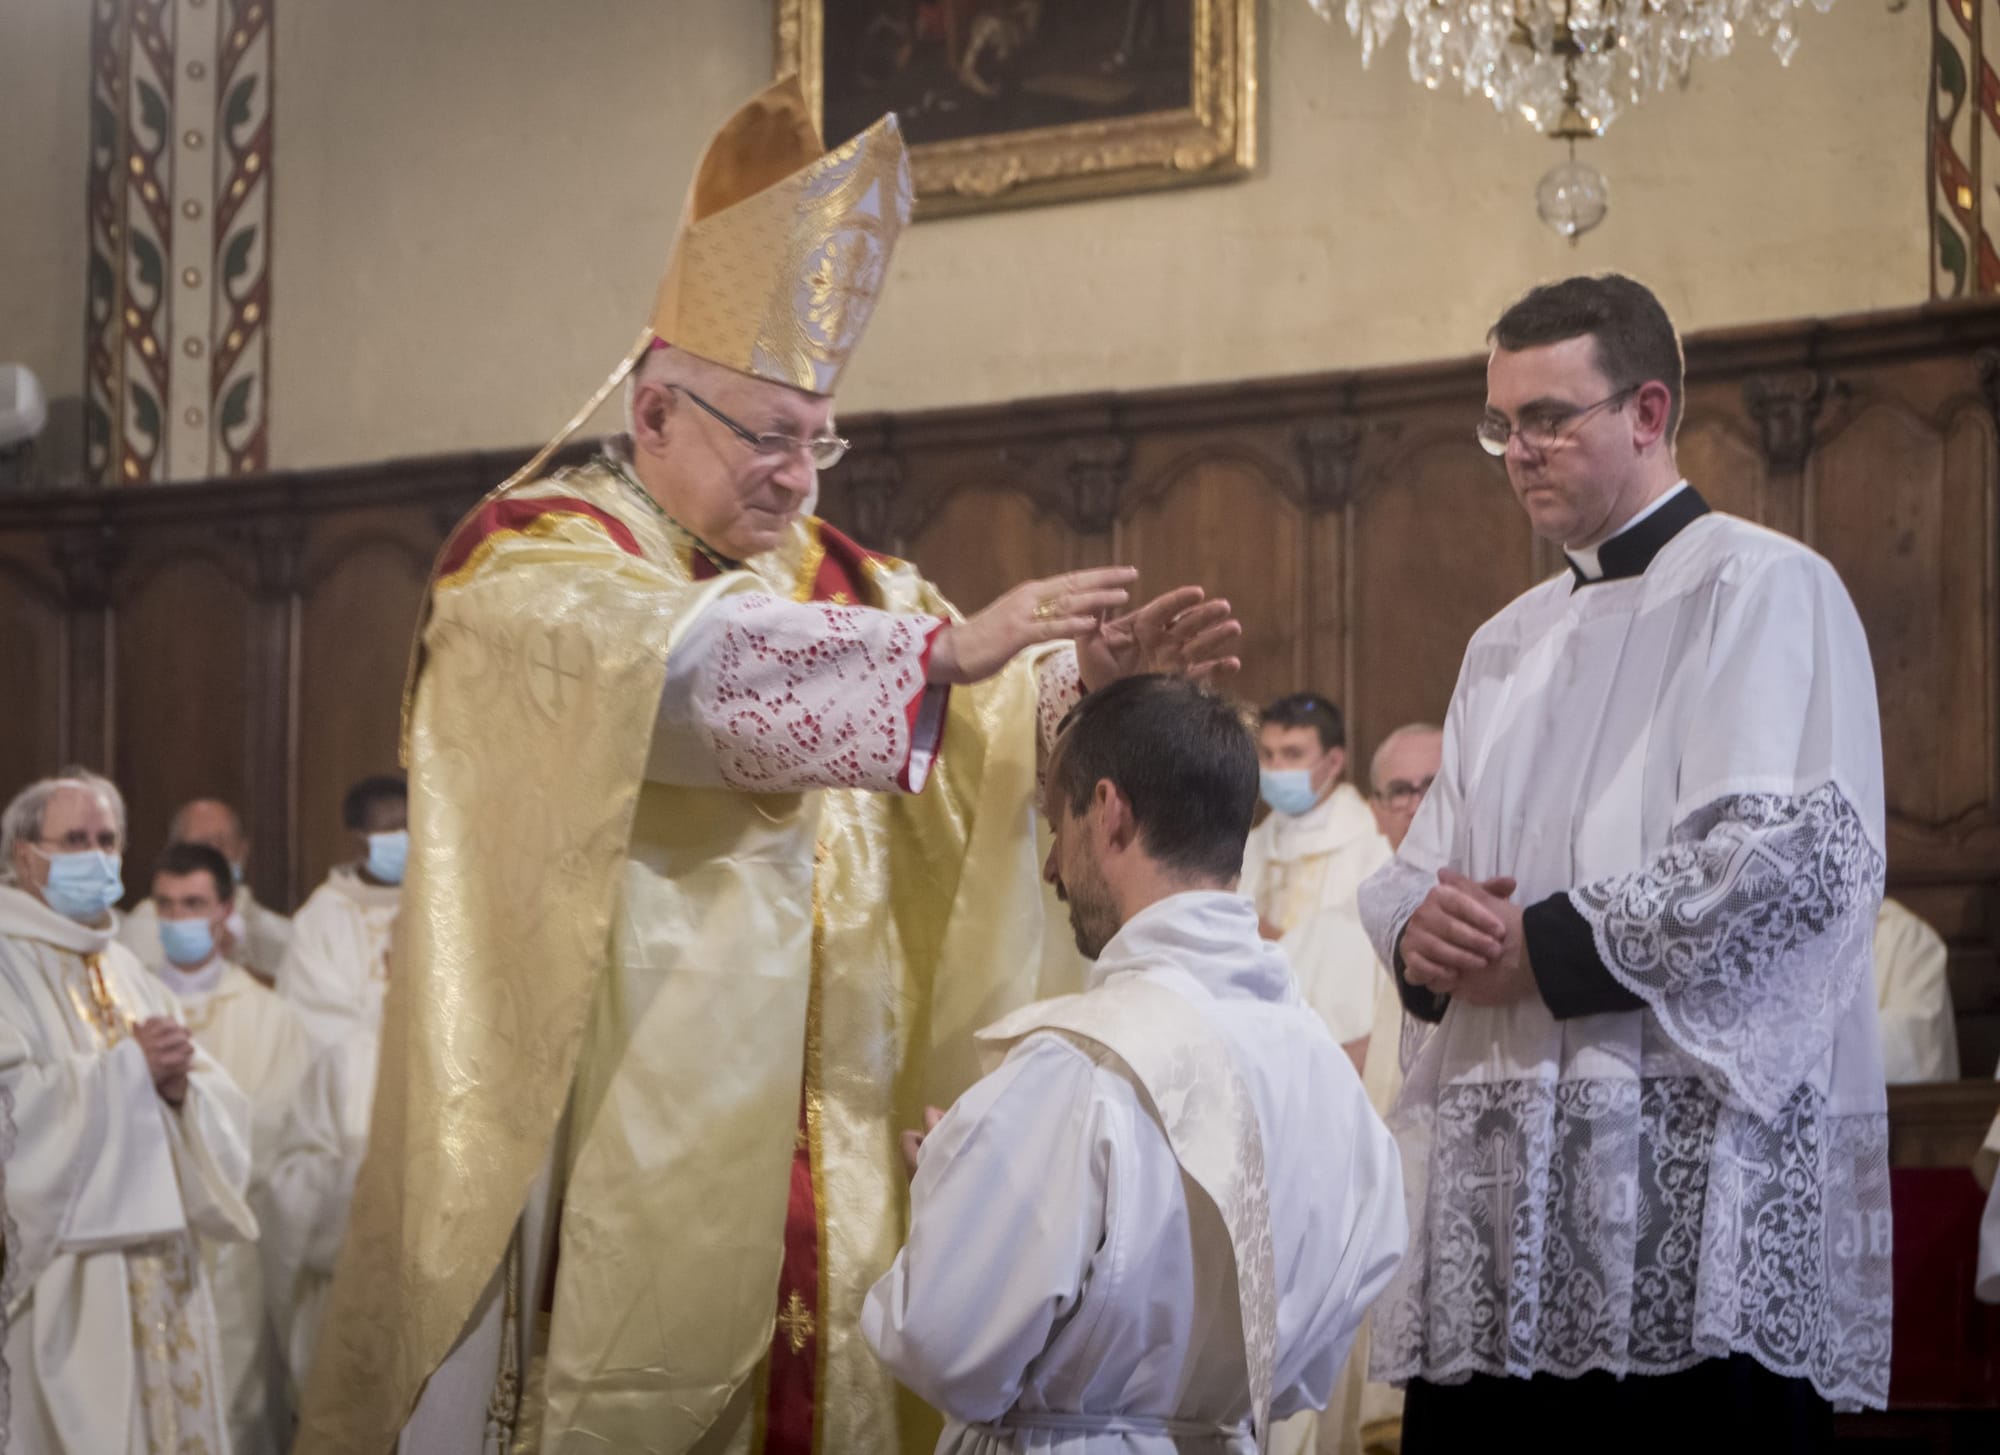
1048 608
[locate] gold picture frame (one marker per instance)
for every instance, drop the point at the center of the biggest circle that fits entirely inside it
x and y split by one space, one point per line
1108 145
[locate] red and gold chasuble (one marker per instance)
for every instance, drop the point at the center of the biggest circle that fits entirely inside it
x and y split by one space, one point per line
738 998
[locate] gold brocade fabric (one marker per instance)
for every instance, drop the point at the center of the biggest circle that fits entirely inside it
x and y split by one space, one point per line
646 953
528 730
783 246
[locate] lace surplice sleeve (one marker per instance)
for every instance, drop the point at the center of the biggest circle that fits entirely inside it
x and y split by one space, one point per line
771 696
1751 932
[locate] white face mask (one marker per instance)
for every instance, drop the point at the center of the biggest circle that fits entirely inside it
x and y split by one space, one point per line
1288 790
82 886
388 855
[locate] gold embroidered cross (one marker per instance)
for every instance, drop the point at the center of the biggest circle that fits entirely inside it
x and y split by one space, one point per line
797 1322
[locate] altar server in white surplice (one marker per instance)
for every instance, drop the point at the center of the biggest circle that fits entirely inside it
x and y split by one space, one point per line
260 1042
1150 1169
1646 1141
121 1145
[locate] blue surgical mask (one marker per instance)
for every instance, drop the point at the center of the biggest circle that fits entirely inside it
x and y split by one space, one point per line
388 855
82 886
188 942
1288 790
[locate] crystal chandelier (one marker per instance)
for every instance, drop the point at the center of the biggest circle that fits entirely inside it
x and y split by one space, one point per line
1567 66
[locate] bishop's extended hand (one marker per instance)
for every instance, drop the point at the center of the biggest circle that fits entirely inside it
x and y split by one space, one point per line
1177 632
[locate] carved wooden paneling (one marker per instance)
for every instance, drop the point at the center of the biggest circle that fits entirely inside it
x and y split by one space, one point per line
1718 451
365 588
181 623
32 651
1438 546
987 540
1912 541
1223 520
1358 530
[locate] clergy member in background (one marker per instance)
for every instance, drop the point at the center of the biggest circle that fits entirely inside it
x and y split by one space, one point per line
338 964
1213 1204
124 1145
722 847
260 1042
310 1190
1913 999
1307 859
1364 1416
253 937
1647 1142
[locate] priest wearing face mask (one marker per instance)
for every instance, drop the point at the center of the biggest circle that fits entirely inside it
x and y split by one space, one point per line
260 1041
122 1147
1306 860
338 965
253 936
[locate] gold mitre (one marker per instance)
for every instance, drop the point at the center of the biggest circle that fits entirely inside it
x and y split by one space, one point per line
783 245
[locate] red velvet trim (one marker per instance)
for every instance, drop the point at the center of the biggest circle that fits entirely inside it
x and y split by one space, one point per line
793 1373
513 513
916 707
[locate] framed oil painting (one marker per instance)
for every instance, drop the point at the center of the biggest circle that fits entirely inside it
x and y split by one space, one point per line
1013 102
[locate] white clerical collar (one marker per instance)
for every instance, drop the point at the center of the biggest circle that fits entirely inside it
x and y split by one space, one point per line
1586 558
193 984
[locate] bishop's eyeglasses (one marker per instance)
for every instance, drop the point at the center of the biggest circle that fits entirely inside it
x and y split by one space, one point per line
824 450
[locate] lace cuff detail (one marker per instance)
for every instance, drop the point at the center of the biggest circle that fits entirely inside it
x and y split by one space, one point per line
798 696
1749 936
1059 684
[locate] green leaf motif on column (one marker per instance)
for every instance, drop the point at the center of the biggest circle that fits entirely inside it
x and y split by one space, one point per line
147 411
153 109
237 258
103 126
238 108
1951 254
151 268
103 286
236 403
96 429
1950 76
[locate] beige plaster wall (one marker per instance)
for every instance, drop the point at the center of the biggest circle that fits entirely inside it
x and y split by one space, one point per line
474 198
44 167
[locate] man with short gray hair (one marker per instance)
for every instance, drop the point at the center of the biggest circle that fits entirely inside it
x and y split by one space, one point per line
122 1143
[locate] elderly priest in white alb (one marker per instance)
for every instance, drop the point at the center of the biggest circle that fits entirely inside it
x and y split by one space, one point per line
1157 1222
1646 1142
121 1143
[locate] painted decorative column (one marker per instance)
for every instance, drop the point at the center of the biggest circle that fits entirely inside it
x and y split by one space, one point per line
1965 146
180 223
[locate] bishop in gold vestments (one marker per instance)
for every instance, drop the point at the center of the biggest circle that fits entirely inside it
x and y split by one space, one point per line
713 874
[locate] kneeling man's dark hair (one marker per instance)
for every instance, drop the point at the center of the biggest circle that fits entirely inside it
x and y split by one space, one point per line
1181 756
